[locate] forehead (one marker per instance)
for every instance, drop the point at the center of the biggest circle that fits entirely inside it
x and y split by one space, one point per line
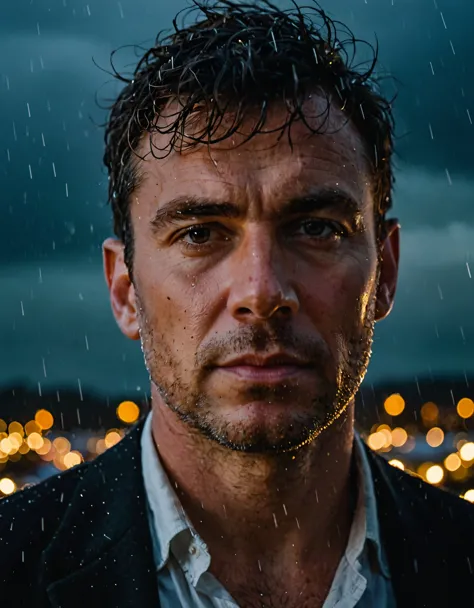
265 168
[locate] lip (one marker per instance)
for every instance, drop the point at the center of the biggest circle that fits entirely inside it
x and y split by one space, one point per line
273 368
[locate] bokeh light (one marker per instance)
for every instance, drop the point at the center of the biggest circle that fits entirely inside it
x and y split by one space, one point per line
394 404
430 412
7 485
452 462
44 419
465 407
72 459
469 495
399 437
467 451
435 474
112 438
128 412
397 463
35 441
435 437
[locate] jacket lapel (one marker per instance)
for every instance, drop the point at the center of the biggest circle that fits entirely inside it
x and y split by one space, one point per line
430 554
102 553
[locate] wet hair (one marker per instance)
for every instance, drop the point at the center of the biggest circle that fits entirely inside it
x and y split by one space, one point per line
238 59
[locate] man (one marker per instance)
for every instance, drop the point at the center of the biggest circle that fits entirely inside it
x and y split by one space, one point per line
250 177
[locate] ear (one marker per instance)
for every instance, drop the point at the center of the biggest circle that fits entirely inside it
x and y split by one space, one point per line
390 254
121 289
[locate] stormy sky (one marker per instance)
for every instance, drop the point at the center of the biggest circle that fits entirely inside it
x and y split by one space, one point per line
56 327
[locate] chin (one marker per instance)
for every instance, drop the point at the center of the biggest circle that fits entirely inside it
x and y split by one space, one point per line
261 428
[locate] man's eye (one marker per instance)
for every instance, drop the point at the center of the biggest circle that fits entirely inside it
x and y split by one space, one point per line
323 229
197 235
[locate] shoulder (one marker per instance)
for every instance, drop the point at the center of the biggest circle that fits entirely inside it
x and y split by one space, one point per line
28 521
425 505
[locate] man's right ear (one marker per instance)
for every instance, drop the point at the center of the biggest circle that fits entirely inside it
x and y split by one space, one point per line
121 289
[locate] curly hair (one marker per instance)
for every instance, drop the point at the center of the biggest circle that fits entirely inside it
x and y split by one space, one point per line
240 58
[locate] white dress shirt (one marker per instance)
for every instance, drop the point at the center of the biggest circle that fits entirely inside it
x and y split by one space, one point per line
182 560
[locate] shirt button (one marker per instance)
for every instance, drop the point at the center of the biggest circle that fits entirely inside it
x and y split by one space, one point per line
194 550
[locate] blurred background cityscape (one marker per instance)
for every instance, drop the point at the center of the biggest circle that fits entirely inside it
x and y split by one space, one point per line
71 384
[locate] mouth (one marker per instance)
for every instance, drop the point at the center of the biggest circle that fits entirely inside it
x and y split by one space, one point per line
271 369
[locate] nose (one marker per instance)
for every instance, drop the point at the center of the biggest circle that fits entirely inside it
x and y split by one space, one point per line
260 283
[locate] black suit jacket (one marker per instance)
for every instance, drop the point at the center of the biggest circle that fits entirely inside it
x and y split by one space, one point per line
81 538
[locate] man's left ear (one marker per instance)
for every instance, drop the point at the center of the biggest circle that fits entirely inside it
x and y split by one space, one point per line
389 257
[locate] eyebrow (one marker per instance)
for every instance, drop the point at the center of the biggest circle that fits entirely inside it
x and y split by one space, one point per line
187 207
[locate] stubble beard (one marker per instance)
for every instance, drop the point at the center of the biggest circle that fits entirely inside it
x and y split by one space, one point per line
193 406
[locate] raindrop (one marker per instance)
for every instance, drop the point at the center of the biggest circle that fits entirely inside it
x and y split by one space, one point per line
120 10
54 170
468 270
80 391
449 177
87 343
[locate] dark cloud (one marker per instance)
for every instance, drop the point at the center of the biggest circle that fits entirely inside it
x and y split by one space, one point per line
54 216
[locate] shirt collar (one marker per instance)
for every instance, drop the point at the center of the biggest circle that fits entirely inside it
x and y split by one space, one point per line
367 502
168 518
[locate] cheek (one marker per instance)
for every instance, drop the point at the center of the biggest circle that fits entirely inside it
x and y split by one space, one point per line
340 297
177 308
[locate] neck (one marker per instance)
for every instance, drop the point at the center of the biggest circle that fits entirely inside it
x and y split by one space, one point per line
295 504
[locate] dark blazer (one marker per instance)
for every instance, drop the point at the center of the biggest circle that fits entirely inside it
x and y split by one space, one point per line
81 538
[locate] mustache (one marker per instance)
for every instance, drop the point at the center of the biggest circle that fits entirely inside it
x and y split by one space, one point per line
261 340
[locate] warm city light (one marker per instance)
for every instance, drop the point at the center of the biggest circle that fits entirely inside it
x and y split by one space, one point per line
44 419
112 438
6 446
452 462
376 441
128 412
32 427
465 408
45 448
467 451
435 437
16 440
3 426
469 495
430 412
7 486
397 464
62 445
16 427
435 474
72 459
399 437
35 441
394 405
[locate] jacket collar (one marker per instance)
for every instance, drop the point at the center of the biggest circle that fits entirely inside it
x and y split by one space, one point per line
101 554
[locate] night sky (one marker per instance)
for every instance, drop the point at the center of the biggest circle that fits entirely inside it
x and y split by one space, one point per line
56 326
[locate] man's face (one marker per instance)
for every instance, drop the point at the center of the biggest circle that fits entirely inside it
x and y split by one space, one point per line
255 282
